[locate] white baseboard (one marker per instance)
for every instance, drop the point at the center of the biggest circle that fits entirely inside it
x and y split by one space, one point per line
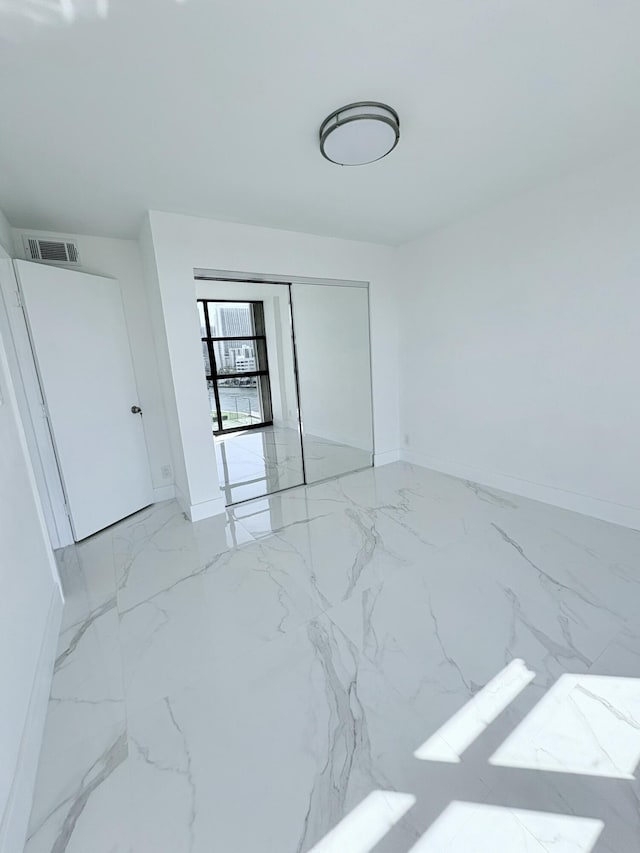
206 509
15 820
198 512
386 457
626 516
164 493
182 501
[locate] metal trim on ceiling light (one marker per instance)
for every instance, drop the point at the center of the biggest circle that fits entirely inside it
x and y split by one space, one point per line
393 120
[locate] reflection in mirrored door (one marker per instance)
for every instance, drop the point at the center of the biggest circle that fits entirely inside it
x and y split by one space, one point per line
249 369
258 462
334 365
234 346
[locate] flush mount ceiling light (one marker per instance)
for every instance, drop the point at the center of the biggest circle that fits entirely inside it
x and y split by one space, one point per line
359 133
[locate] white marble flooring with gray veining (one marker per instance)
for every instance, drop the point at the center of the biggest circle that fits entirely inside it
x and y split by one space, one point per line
395 661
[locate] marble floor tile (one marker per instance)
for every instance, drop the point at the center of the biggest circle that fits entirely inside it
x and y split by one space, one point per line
344 552
472 828
87 692
81 797
160 546
305 712
587 724
231 607
417 626
391 661
88 575
275 513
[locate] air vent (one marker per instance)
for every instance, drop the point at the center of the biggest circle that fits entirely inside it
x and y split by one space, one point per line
51 251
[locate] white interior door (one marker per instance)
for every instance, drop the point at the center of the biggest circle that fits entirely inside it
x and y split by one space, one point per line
81 347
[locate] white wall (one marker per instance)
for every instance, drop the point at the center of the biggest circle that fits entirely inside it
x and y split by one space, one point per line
30 612
157 315
6 237
121 259
181 243
520 345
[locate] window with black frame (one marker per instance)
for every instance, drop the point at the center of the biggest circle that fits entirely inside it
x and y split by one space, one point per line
234 349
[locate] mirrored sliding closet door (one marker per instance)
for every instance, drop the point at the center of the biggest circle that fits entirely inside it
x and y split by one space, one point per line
288 375
334 364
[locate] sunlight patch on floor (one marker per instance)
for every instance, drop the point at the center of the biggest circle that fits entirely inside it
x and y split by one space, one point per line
462 729
367 824
588 724
475 828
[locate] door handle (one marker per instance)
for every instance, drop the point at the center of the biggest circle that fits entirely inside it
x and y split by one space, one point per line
136 410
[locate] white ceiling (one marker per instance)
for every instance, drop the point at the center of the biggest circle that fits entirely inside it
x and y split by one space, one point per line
212 107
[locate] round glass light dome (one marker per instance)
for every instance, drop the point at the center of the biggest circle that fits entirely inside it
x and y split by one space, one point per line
359 133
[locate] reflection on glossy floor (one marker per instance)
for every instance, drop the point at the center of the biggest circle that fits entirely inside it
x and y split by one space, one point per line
393 661
262 461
